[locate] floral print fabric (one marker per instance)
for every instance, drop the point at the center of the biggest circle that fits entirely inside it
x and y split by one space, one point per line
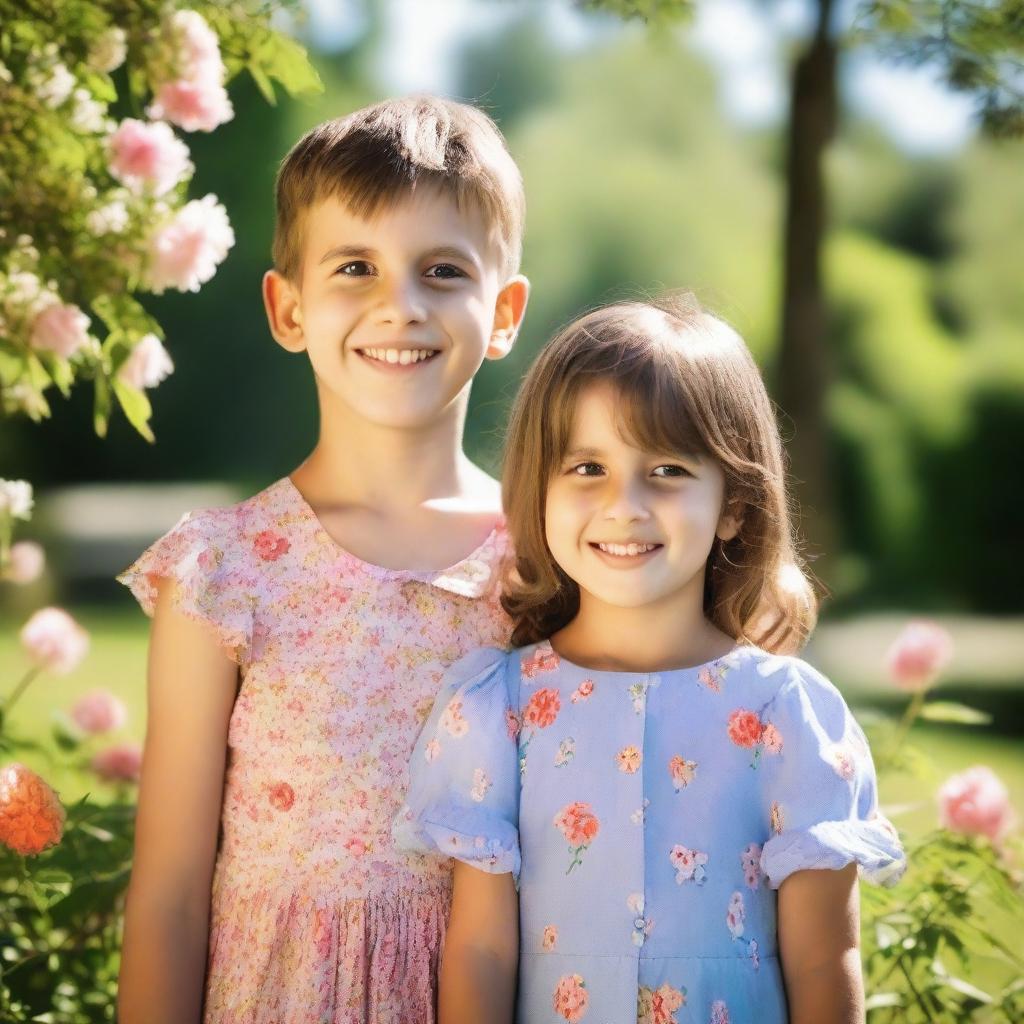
650 819
316 916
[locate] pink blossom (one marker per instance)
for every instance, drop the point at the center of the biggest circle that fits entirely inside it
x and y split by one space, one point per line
151 155
198 46
120 763
27 560
54 641
918 655
60 328
184 251
147 365
975 802
201 105
99 711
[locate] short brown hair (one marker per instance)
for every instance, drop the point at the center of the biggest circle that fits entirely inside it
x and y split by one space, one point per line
378 155
686 383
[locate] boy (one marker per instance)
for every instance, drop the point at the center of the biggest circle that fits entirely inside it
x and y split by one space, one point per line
336 598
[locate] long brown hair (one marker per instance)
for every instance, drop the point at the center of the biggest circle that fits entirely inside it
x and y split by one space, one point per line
688 383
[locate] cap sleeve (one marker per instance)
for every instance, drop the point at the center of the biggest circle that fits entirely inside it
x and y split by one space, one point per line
200 555
821 789
463 798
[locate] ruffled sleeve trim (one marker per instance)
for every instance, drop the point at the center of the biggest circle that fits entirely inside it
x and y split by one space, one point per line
464 776
208 588
873 845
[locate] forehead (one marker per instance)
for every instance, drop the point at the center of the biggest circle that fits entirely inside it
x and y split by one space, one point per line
425 219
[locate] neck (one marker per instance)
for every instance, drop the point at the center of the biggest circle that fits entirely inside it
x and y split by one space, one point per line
360 463
654 637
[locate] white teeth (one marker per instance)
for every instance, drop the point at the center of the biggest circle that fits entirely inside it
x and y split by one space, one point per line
403 356
626 549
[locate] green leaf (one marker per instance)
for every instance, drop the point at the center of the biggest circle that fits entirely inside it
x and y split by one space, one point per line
101 406
284 59
265 85
136 407
950 711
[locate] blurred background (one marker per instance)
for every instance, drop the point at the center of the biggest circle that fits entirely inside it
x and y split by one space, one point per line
652 160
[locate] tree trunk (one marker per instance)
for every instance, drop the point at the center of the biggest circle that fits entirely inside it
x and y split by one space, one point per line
803 365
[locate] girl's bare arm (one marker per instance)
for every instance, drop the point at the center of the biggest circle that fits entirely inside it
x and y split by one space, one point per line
481 949
819 943
191 691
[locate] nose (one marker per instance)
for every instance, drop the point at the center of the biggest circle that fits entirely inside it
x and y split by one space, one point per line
625 503
400 302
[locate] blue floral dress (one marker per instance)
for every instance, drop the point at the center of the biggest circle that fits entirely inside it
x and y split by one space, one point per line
653 816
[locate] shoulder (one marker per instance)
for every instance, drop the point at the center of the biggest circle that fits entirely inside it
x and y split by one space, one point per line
781 676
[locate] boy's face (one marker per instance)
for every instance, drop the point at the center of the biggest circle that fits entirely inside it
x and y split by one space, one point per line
398 312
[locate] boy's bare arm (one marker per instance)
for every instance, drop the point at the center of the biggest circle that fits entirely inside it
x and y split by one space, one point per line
192 686
481 950
819 943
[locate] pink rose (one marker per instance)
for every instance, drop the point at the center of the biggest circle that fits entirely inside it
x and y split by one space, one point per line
27 560
194 106
147 365
975 802
150 154
270 546
745 728
918 655
184 252
54 641
571 998
198 45
577 823
542 709
60 328
120 763
99 711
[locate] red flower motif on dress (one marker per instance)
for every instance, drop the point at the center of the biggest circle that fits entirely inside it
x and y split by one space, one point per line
578 823
512 724
282 796
549 938
683 772
270 546
542 709
583 691
571 998
543 659
745 728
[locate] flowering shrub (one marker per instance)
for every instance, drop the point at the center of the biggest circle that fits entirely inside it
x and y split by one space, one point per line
923 939
95 207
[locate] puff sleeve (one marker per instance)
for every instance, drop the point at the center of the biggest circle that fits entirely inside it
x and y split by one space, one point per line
821 791
463 798
212 584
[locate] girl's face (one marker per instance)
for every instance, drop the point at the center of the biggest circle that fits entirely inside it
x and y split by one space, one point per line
631 527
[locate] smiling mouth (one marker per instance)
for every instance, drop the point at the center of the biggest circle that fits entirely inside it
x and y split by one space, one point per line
625 550
398 356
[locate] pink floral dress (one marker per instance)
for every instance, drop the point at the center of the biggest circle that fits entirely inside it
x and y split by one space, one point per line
316 916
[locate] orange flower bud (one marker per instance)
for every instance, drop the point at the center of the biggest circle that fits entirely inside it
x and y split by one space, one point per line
31 816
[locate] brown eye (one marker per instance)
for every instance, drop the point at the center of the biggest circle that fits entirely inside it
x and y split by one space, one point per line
444 272
673 472
587 469
357 268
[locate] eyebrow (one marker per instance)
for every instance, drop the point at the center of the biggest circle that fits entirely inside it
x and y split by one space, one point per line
583 453
362 252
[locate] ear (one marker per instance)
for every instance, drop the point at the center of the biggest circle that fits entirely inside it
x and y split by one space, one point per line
508 315
284 312
730 522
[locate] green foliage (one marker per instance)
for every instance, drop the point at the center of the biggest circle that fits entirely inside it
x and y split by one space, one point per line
654 12
923 939
60 920
976 46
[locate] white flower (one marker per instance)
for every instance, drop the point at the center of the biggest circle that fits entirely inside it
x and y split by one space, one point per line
88 115
56 88
16 498
110 219
109 51
147 365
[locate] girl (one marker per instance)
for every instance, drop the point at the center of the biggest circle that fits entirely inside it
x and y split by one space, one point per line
688 802
300 636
